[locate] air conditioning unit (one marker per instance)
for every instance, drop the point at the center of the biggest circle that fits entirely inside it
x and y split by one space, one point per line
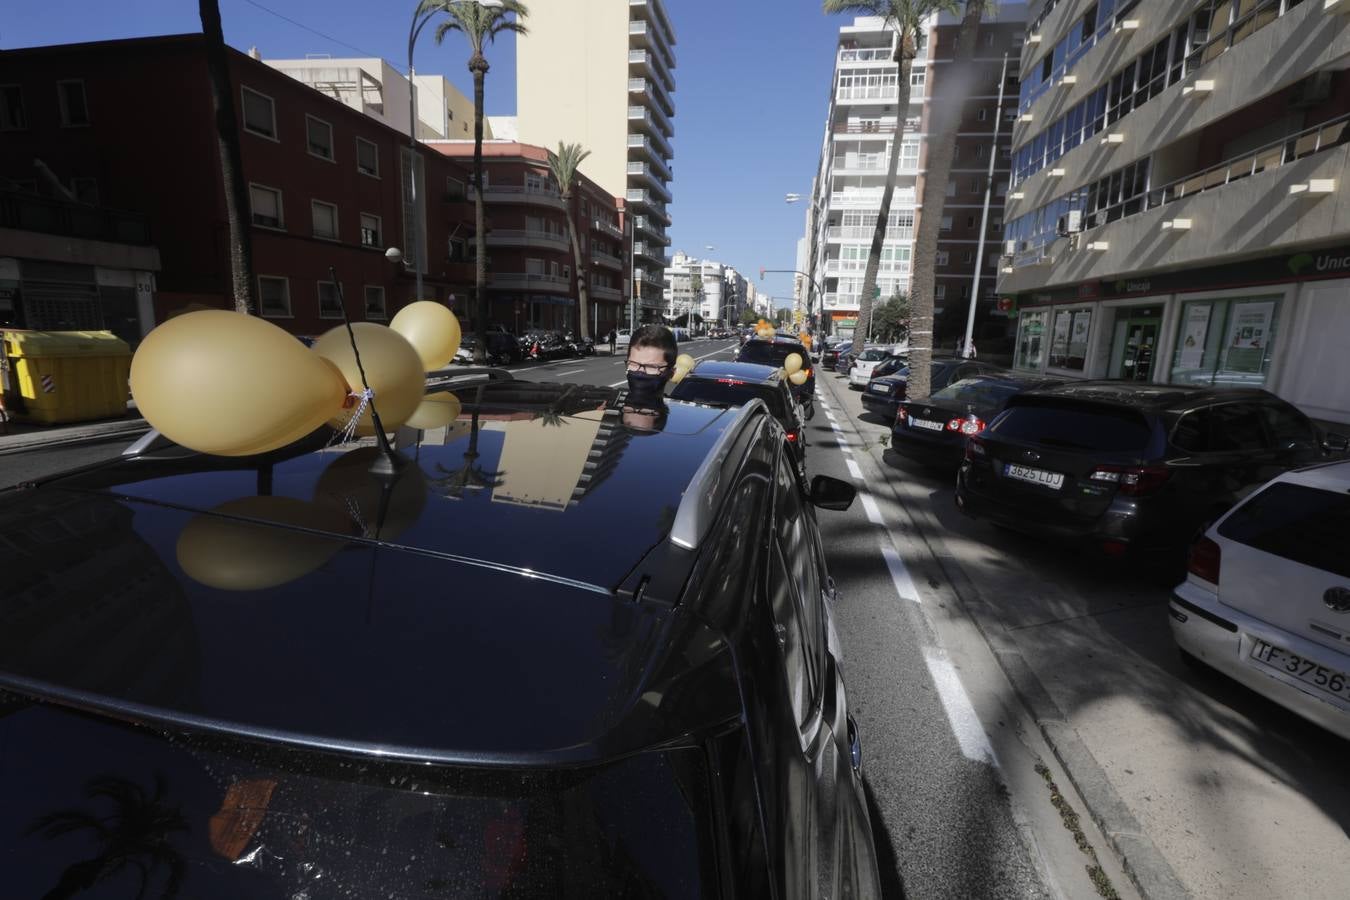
1070 223
1009 248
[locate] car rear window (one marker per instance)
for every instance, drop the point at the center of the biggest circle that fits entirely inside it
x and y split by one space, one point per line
977 392
1075 427
1302 524
768 353
873 355
729 392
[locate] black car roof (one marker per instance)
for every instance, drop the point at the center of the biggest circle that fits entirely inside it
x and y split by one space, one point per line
1145 397
479 608
753 373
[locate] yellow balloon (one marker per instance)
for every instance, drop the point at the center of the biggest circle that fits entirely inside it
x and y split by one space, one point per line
799 377
392 366
679 375
793 363
230 555
435 411
232 385
348 487
684 361
805 339
432 329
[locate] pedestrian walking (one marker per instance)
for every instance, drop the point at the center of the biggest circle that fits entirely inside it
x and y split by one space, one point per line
613 341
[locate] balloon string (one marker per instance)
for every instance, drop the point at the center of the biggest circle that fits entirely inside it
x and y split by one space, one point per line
349 430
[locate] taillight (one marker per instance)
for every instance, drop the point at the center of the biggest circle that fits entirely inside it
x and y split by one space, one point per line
1203 560
975 449
969 426
792 437
1133 480
901 415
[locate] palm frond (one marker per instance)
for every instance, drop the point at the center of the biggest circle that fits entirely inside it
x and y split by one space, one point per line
67 821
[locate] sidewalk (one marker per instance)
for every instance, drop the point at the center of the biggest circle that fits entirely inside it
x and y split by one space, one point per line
21 437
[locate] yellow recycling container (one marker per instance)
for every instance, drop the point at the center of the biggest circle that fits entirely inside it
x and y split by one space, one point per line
66 376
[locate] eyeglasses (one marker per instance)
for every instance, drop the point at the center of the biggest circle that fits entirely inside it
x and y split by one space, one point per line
648 368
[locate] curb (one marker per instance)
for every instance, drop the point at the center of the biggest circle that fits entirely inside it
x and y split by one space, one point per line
25 443
1139 857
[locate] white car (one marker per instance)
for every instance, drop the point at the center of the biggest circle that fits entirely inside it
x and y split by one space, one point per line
861 373
1267 597
622 337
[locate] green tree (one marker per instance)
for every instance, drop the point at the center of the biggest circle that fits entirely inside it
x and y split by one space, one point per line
944 121
480 25
564 165
748 316
890 320
906 18
231 159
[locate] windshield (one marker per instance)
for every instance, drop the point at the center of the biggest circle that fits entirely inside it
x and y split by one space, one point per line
729 392
769 352
873 355
981 392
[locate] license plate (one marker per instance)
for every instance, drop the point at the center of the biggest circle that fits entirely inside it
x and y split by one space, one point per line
1320 678
930 426
879 389
1052 480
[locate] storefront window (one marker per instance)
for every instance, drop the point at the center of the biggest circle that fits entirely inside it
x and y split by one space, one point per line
1030 335
1069 339
1225 342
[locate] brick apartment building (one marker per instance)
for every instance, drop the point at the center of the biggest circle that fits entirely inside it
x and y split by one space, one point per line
531 278
127 128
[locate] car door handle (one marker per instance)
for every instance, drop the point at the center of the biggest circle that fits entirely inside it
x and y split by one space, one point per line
854 745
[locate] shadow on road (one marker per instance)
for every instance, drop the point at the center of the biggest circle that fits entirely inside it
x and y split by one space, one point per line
892 883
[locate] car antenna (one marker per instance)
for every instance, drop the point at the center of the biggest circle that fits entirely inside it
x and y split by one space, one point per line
388 462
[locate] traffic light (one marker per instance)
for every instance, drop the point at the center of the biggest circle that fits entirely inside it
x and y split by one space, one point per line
761 273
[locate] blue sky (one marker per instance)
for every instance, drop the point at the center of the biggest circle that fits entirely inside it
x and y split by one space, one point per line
751 90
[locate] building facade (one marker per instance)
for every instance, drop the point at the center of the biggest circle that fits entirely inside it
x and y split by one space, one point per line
1174 214
326 186
706 288
532 274
861 125
600 74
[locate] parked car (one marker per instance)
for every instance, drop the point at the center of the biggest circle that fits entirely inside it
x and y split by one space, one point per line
1266 594
622 337
1124 465
735 384
774 352
861 371
829 357
933 430
886 389
657 710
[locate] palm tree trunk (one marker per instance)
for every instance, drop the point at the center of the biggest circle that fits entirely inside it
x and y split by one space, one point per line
905 58
479 67
231 159
937 170
582 290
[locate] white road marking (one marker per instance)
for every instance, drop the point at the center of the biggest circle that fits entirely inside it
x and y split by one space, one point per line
569 372
960 711
904 585
854 470
870 507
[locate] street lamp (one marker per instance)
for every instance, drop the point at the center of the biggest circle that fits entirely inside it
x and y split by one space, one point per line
421 17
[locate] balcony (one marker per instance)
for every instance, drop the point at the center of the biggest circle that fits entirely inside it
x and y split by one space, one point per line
845 166
528 281
508 237
655 233
501 193
871 199
655 279
1257 204
835 267
844 130
646 8
602 292
652 66
606 260
651 177
649 36
651 252
865 232
608 228
865 55
25 212
646 87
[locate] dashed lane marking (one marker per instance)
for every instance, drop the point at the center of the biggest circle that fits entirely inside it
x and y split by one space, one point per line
854 470
960 711
904 584
870 507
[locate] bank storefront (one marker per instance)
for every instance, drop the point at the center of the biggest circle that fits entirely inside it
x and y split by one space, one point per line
1281 323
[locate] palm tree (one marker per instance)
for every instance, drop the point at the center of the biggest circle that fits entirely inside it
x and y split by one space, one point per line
906 18
564 165
231 158
479 24
946 119
134 835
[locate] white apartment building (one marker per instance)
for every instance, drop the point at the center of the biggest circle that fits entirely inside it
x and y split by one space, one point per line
1175 214
704 287
374 87
600 73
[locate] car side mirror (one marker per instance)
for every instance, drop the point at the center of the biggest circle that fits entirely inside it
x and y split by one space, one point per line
832 493
1335 443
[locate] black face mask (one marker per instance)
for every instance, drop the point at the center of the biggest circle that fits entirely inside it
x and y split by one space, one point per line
645 389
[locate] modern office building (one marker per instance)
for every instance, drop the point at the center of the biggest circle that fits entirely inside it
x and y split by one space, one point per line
861 125
1175 211
599 73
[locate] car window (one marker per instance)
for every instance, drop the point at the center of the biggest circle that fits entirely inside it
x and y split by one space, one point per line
729 392
1302 524
1225 428
976 392
873 355
1075 427
795 595
769 353
1287 426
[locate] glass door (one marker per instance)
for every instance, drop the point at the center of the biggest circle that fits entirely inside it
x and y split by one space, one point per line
1134 343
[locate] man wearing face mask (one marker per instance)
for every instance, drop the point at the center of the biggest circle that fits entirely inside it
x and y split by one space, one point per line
651 363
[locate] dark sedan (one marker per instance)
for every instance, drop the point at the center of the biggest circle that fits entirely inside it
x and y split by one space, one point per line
1122 466
734 384
774 352
883 393
933 430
